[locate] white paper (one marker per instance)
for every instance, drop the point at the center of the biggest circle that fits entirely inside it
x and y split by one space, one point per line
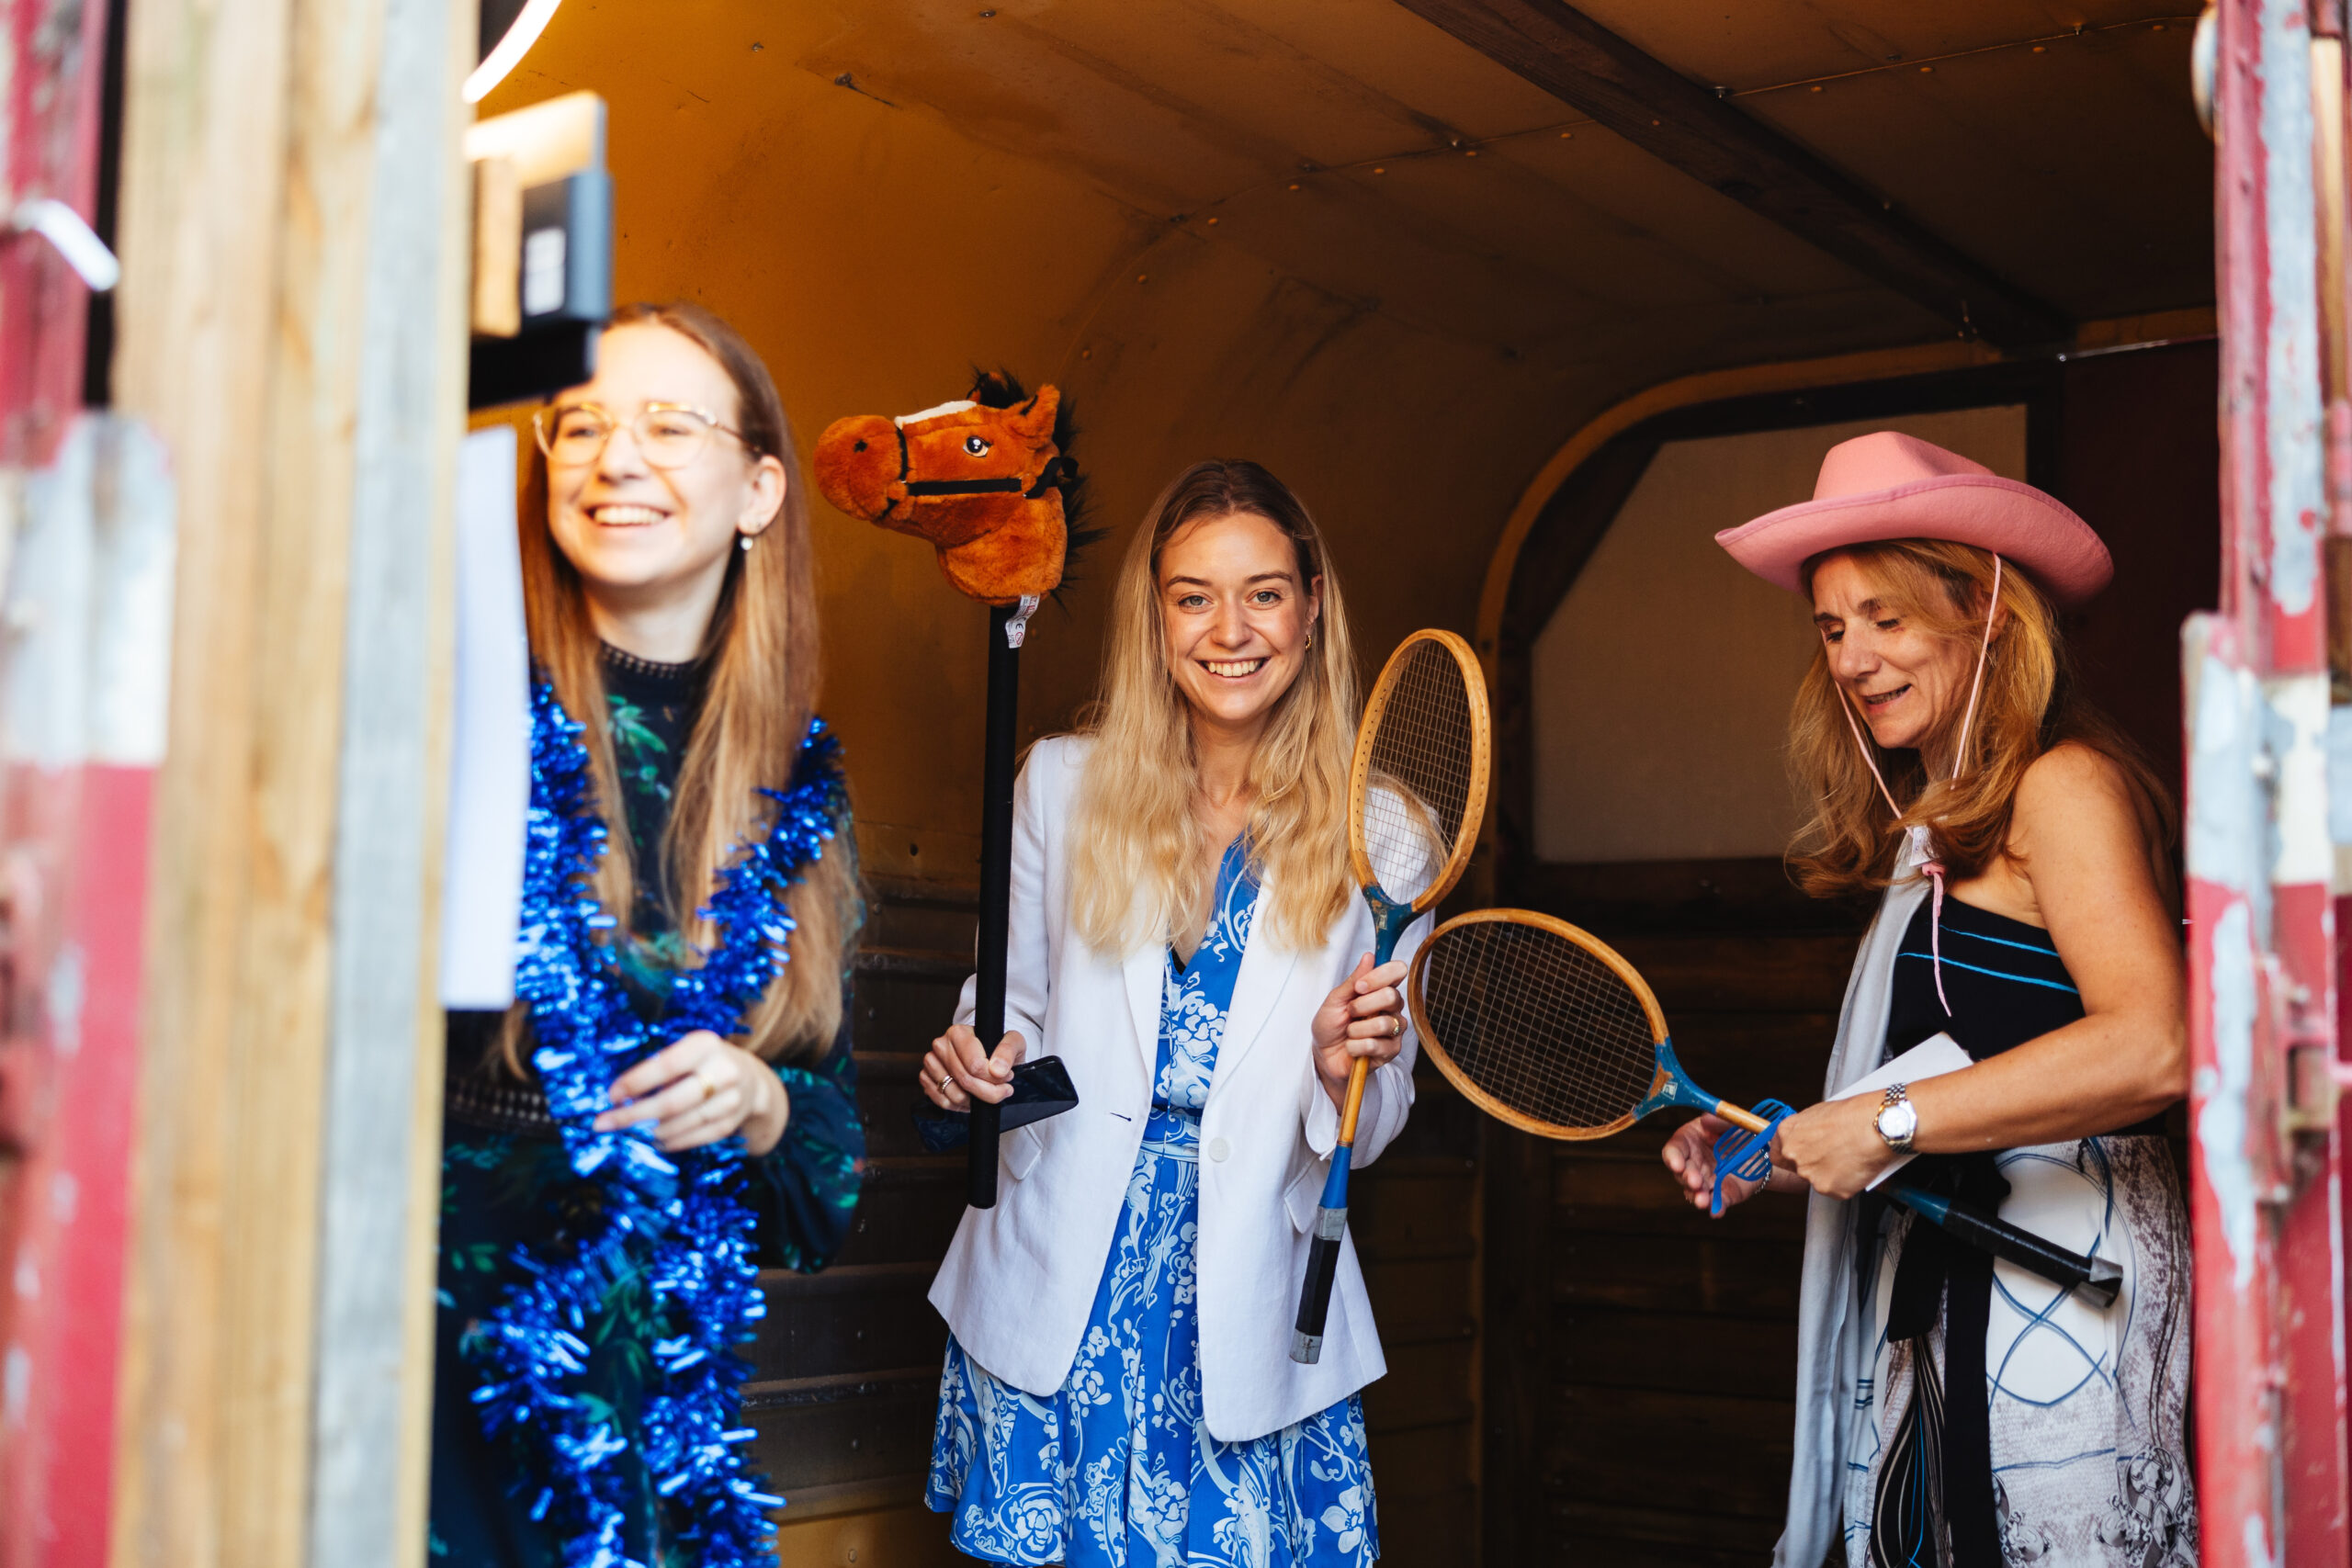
1930 1058
490 771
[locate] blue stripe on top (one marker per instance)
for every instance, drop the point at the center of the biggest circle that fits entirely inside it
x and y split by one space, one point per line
2047 952
1951 962
2004 979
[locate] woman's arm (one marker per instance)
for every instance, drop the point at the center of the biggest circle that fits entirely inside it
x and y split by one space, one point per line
2085 855
804 1191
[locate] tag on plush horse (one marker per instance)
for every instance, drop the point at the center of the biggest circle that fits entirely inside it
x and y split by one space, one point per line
985 479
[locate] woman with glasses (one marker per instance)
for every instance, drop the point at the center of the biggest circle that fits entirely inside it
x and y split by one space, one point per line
672 615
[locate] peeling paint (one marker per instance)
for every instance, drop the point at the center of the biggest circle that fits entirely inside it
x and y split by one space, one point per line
15 1386
2222 1090
2257 1543
2224 814
2306 853
66 994
90 602
2339 793
2290 347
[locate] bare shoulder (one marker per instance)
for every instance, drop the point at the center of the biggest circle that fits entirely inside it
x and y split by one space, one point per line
2075 799
2072 778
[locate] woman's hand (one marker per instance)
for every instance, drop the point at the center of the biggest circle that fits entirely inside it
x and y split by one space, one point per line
1363 1018
697 1090
1690 1154
1835 1145
955 1070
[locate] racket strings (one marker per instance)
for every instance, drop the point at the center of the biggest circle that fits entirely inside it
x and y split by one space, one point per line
1416 795
1539 1022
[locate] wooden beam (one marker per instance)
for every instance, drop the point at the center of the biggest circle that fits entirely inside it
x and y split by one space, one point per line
292 325
1684 124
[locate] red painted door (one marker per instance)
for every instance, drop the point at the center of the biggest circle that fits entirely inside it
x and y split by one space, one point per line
2266 1134
86 550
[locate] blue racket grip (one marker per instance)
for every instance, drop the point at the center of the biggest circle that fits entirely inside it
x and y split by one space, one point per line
1389 921
1744 1154
1322 1263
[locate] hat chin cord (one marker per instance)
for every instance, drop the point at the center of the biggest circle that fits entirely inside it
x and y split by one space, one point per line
1920 854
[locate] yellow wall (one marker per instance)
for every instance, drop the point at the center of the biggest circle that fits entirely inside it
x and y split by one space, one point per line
875 253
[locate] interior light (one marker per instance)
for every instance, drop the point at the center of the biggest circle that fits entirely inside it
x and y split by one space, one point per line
502 57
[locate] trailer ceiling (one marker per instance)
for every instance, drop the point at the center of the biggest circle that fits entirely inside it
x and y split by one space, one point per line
1360 148
1328 234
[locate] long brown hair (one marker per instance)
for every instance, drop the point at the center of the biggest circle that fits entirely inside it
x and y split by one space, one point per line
762 647
2031 703
1133 829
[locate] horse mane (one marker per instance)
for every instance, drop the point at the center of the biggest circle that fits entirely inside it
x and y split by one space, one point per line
1000 389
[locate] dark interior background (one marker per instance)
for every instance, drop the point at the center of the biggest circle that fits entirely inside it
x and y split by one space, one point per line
1642 1358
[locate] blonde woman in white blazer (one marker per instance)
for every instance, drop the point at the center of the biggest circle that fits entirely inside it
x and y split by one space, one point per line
1185 937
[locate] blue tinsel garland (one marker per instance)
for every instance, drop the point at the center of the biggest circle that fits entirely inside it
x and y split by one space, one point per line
678 1221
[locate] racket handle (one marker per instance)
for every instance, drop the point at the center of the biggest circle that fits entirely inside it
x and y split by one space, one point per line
2097 1280
1353 1105
1740 1117
1322 1262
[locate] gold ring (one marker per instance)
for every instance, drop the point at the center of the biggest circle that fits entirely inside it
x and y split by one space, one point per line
1397 1029
709 1088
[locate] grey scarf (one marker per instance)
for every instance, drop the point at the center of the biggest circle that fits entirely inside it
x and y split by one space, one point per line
1833 1327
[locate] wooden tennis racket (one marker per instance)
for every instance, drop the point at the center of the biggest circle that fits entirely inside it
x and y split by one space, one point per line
1545 1026
1416 796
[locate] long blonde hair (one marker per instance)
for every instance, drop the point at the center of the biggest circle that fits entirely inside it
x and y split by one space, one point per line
2028 706
762 691
1136 866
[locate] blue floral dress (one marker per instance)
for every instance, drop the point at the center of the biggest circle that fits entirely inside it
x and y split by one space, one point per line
1116 1469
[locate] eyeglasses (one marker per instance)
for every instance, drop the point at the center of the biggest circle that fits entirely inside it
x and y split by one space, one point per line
669 436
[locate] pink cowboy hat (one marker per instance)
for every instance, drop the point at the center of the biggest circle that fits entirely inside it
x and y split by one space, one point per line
1889 486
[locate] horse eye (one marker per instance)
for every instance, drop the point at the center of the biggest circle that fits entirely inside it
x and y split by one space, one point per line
977 446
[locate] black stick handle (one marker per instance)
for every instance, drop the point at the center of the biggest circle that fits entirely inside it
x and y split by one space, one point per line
996 891
2098 1280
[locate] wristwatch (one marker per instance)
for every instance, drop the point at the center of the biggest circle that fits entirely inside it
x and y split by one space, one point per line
1897 1119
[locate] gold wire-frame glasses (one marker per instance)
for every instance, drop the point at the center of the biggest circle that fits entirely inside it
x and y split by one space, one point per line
670 435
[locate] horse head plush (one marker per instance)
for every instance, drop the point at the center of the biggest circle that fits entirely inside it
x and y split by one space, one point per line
985 479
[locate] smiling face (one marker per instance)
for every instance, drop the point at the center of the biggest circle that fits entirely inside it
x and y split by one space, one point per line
1907 682
1235 617
647 538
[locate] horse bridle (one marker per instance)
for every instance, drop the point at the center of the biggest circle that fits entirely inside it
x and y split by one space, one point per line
1058 472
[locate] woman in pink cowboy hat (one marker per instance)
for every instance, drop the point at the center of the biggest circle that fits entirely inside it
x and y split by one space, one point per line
1951 1409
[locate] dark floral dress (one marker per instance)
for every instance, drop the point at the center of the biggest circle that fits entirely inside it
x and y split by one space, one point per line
504 1180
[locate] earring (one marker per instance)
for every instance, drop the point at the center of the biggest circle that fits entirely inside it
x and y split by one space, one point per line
1310 635
747 544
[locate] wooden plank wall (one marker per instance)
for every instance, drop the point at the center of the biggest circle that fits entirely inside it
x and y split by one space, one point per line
1643 1417
290 320
846 1371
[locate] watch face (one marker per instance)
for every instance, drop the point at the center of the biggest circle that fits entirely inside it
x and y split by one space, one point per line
1898 1121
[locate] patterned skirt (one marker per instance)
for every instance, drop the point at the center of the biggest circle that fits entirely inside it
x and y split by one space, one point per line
1114 1469
2088 1407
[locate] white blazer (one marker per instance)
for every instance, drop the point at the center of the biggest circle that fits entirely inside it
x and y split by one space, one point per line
1020 1278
